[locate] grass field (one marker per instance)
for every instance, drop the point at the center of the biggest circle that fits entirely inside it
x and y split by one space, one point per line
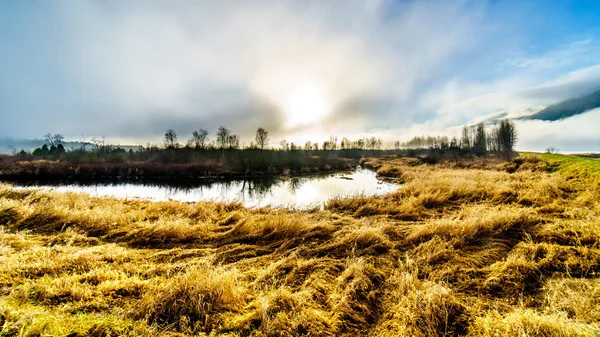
480 248
574 166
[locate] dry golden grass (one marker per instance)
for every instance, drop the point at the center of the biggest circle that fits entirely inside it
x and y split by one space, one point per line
477 249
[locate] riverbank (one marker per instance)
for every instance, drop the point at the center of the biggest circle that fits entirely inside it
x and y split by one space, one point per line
233 166
483 250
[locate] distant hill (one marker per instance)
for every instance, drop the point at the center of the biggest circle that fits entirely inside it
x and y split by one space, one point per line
10 145
13 145
568 108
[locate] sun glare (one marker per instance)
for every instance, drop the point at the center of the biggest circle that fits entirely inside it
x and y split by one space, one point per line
305 104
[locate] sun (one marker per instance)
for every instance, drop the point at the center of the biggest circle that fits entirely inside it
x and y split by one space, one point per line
305 104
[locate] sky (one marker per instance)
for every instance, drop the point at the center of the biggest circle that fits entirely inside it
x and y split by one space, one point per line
303 70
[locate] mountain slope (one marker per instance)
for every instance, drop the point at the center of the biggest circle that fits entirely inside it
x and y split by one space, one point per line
568 108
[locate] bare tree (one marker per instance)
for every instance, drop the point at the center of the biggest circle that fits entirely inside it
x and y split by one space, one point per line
284 145
223 137
199 138
53 140
58 139
454 143
83 143
345 144
98 143
373 143
360 144
262 138
493 140
98 146
233 141
465 138
333 142
170 139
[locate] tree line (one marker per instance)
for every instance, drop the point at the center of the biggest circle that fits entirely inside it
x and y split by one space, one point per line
227 140
56 147
476 139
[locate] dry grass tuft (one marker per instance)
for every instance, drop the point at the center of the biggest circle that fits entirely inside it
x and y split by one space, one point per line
420 308
282 312
527 322
578 298
390 171
188 300
356 297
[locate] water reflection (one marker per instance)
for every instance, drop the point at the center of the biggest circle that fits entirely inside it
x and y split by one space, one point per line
303 192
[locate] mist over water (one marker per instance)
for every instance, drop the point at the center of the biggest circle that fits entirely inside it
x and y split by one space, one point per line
297 193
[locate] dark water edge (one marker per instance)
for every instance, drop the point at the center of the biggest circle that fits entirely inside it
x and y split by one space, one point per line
236 165
168 180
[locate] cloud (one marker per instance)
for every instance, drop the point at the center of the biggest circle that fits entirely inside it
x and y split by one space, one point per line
571 53
514 96
575 134
130 70
119 66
